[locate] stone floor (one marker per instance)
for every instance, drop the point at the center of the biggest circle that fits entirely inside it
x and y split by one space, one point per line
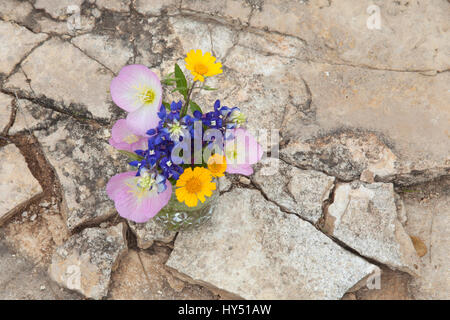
359 91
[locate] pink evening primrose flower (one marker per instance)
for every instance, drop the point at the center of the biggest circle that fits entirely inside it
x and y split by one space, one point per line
122 138
138 91
139 198
242 152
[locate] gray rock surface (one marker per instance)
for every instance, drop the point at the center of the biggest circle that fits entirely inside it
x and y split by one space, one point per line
143 276
349 101
156 7
89 97
298 191
253 250
115 5
85 262
365 217
111 52
345 155
17 42
83 162
57 9
20 279
428 209
338 31
15 10
5 110
30 117
149 232
18 186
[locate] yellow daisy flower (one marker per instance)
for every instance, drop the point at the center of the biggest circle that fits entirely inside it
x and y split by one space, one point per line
194 185
202 66
217 164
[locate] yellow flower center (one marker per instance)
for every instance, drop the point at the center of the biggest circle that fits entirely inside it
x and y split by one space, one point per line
231 154
200 68
146 95
194 185
131 139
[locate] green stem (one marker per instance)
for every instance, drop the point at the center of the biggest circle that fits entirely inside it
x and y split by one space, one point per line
186 105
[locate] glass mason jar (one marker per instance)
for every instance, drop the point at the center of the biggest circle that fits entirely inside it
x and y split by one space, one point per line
177 215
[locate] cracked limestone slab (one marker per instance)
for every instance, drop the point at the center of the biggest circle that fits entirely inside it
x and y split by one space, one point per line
14 10
84 263
428 211
58 9
114 5
30 117
18 186
251 249
194 34
59 71
298 191
405 110
112 52
365 217
157 7
84 162
16 42
345 155
143 276
147 233
409 36
229 9
5 110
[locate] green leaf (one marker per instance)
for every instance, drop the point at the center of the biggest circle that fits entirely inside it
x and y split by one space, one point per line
131 155
194 107
181 81
167 105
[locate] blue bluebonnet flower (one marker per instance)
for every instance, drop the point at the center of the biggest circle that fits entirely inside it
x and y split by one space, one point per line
222 117
171 124
169 168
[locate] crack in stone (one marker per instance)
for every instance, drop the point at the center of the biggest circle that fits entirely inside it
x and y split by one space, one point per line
90 57
51 104
19 64
317 227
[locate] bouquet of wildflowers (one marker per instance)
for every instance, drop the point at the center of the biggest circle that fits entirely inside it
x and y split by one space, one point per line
176 150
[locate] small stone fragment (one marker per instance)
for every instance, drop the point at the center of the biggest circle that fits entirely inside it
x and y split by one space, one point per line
366 219
58 9
299 191
16 42
85 262
18 185
147 233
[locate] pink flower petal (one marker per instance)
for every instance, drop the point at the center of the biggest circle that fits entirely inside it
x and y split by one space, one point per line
117 184
122 189
124 87
248 145
122 136
244 169
142 120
